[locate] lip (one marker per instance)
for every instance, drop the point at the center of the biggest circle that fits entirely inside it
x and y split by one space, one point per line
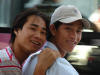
75 42
72 42
36 43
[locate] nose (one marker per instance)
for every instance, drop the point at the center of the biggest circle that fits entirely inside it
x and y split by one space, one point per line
73 35
37 35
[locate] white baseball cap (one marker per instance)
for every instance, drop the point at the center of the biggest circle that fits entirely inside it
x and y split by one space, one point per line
68 14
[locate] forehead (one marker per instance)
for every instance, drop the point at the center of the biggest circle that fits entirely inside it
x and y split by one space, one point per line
77 23
33 19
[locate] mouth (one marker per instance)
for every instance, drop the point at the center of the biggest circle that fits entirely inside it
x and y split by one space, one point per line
36 43
73 42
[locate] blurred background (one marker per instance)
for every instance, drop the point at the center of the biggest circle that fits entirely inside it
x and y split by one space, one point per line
86 55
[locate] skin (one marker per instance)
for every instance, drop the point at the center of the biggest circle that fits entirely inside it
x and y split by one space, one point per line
46 64
97 26
31 38
67 36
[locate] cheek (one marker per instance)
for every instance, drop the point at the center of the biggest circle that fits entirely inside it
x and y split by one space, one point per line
26 36
61 36
79 38
44 39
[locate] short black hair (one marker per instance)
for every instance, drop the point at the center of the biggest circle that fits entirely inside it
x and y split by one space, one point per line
57 24
21 19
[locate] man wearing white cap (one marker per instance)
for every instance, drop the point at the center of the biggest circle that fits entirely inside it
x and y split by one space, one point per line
65 33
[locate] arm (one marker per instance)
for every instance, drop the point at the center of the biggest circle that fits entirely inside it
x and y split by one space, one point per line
45 59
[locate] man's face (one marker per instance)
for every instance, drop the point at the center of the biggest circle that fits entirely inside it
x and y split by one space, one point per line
32 36
67 36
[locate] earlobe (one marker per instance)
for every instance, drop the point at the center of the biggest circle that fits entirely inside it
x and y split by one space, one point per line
52 29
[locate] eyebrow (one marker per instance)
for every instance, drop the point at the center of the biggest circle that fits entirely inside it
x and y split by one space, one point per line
35 25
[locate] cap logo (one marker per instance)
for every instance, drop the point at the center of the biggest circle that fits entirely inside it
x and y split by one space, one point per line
75 11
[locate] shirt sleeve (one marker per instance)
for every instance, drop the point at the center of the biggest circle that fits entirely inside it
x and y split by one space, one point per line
30 64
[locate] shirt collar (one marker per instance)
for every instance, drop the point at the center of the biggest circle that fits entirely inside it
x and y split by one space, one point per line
50 45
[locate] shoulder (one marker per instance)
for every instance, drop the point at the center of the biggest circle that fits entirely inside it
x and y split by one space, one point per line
62 67
30 63
3 55
7 64
6 54
7 57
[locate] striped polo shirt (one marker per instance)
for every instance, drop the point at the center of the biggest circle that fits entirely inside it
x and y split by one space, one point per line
8 63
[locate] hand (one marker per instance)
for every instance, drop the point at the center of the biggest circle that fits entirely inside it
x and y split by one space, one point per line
45 59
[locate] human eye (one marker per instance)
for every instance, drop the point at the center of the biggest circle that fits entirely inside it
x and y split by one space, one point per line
79 31
68 28
43 32
33 28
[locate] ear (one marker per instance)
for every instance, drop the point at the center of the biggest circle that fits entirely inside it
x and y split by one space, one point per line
16 32
52 29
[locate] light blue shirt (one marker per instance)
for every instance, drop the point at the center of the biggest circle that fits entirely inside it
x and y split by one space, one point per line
60 67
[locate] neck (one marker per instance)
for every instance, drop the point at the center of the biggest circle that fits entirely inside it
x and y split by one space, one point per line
19 54
62 53
60 49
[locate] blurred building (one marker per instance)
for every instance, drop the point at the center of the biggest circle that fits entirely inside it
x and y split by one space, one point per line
9 8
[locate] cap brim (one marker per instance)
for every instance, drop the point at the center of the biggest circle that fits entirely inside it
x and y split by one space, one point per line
85 22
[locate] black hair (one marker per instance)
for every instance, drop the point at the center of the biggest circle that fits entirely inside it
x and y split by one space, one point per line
21 19
57 24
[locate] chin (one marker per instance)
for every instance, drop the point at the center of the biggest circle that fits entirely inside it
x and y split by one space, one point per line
70 50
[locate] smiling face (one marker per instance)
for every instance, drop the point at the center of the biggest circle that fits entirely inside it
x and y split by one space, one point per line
67 36
32 36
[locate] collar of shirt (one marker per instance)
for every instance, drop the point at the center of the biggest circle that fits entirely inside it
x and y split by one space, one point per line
50 45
